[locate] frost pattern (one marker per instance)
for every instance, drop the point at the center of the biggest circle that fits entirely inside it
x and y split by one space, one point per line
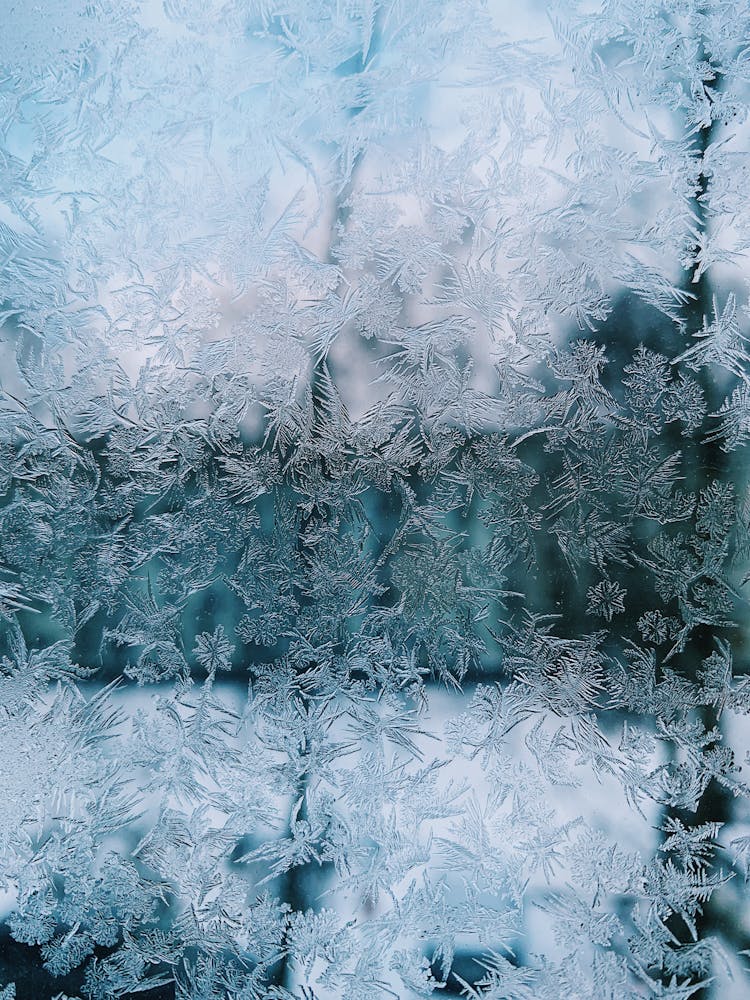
374 531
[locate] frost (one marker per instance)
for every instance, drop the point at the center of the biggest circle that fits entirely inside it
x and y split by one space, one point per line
374 533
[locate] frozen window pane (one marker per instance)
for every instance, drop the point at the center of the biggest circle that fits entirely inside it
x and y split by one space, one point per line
374 531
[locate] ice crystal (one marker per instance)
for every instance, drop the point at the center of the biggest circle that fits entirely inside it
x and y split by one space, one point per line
374 533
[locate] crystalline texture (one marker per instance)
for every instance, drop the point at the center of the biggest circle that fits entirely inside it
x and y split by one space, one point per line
374 533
